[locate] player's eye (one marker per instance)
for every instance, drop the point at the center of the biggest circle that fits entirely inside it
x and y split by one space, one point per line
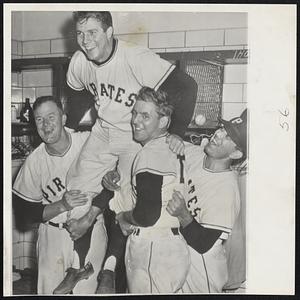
145 116
38 120
78 33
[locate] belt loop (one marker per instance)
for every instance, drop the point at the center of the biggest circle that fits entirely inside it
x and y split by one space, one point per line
60 226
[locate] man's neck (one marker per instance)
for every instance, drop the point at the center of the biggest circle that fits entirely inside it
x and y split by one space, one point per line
60 147
108 52
216 165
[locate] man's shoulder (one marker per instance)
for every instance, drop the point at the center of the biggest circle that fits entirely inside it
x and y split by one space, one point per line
78 59
79 137
156 157
78 55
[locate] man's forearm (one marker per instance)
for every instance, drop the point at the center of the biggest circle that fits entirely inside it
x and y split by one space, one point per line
185 219
92 214
52 210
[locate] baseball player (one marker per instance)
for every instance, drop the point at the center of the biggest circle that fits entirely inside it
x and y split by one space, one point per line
157 257
114 71
40 195
209 207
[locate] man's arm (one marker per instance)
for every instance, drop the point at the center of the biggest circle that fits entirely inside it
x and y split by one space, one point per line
182 93
148 202
31 212
77 228
79 102
198 237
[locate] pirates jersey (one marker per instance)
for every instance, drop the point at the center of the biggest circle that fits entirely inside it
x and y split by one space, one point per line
43 175
115 82
156 158
212 197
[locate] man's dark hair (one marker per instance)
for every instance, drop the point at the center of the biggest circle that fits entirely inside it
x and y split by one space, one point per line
40 100
103 16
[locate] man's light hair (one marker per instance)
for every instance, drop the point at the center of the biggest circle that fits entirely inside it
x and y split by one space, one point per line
158 98
40 100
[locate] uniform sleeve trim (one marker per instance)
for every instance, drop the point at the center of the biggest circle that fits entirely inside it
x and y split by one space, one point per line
73 87
153 171
218 227
25 197
168 72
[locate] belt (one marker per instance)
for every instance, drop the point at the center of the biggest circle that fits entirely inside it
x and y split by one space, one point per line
58 225
137 231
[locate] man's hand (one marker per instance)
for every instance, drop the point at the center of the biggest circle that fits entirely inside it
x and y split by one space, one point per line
73 198
126 227
110 180
175 144
77 228
176 207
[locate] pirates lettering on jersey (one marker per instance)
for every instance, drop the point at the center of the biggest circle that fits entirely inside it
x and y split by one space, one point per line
111 92
192 203
55 187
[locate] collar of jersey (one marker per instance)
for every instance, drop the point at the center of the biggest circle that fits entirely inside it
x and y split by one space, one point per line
114 49
66 151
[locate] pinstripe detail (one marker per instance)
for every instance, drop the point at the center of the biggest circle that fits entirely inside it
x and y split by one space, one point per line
181 158
150 257
207 279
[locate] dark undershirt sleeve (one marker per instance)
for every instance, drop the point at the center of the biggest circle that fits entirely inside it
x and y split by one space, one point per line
26 212
200 238
181 91
79 102
148 204
101 200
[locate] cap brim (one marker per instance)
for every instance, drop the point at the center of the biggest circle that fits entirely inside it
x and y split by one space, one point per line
231 131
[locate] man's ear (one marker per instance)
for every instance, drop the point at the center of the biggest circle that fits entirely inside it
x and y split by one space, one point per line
237 154
64 119
164 122
109 32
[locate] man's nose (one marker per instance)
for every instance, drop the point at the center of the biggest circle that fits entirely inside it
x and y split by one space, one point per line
136 119
46 123
86 38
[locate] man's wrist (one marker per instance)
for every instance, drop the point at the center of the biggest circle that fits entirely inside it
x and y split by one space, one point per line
185 219
64 205
92 214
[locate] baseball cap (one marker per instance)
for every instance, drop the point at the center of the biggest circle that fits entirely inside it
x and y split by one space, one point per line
237 129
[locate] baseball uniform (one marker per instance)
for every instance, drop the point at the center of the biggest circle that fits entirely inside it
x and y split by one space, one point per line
213 200
157 257
42 179
114 83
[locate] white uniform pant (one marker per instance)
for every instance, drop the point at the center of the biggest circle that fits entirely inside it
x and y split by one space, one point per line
208 271
156 261
55 255
100 154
